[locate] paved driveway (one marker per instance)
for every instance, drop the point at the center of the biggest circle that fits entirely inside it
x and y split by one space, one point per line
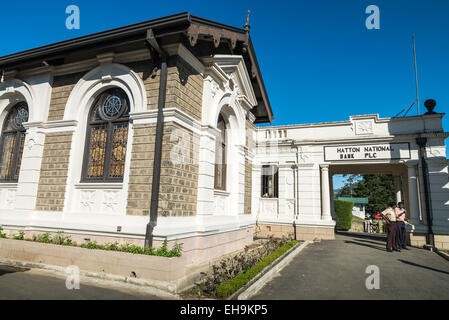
24 284
335 269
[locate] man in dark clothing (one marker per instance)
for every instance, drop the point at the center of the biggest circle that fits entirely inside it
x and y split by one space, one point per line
389 215
400 221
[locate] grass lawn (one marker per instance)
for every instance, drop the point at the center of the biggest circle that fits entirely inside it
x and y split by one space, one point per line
354 218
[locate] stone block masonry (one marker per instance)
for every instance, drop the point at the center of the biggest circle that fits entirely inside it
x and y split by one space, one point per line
179 172
184 88
143 70
141 170
61 89
53 174
248 187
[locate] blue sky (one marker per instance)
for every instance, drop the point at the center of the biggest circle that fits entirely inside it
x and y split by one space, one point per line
318 60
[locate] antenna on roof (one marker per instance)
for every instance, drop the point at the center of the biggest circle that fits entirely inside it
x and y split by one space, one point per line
247 26
416 73
407 109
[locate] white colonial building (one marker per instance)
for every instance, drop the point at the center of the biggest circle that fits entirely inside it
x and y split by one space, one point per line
308 155
148 131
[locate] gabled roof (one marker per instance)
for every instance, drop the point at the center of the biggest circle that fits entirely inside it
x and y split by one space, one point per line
206 37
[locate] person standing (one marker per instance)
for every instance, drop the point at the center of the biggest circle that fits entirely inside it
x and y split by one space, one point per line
400 222
389 215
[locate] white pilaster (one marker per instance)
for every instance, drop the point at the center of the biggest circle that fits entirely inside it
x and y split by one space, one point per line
325 194
413 194
398 188
206 172
28 183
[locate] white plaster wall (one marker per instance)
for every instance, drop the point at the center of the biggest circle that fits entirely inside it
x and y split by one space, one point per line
311 139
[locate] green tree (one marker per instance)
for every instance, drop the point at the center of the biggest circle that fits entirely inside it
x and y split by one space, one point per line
379 188
348 188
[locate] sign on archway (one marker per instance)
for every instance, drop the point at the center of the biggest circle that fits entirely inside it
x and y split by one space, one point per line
381 151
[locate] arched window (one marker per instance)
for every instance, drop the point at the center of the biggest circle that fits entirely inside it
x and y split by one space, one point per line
106 138
220 155
12 142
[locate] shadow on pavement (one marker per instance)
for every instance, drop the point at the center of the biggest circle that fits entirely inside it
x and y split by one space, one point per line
367 241
421 266
365 245
7 269
379 237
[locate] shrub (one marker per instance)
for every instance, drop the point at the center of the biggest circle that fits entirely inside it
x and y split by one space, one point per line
111 246
2 235
60 239
227 288
19 236
163 251
343 213
229 268
92 245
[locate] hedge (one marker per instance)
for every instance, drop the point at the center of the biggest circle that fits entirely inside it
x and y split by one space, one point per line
225 289
343 213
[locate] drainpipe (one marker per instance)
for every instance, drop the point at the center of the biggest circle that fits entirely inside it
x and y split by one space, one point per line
295 210
421 141
297 178
151 40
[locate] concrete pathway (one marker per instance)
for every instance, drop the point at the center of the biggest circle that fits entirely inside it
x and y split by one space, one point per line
24 284
335 269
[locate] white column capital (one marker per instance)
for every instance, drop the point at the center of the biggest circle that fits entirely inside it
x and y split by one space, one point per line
324 167
411 164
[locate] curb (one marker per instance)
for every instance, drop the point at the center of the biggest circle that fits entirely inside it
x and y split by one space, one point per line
159 288
252 287
443 254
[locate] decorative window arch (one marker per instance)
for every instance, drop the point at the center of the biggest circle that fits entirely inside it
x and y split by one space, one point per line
106 138
12 142
220 155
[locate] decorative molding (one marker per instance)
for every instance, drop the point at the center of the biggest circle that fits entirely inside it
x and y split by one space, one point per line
10 197
181 51
170 115
106 57
88 64
87 199
250 116
110 201
364 127
221 193
99 186
7 185
234 64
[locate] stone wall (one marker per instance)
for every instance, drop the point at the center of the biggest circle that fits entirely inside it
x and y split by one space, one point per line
53 174
302 233
141 170
61 89
357 226
179 172
143 70
248 187
250 144
184 88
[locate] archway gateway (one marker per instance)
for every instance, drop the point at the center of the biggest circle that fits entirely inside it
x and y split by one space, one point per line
307 156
